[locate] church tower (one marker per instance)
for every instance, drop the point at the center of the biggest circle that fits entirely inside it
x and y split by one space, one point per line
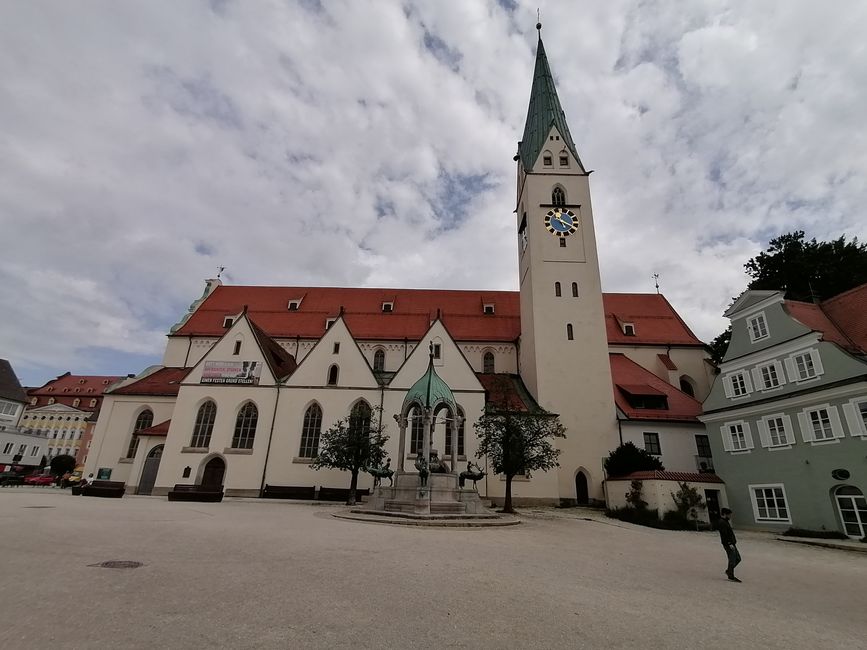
563 346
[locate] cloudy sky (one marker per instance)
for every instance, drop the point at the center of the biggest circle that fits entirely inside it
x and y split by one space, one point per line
369 143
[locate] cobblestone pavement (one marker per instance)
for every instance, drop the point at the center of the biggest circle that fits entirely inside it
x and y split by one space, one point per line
257 574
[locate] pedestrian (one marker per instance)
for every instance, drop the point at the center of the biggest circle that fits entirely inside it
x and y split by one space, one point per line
729 542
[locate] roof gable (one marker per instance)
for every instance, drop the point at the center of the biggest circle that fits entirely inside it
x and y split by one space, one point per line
10 387
353 368
154 381
452 366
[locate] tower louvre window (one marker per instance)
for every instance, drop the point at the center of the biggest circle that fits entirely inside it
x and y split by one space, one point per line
558 196
562 243
547 160
569 335
557 289
564 161
574 289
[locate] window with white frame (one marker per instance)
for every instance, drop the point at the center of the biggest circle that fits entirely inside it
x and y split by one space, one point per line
770 375
758 327
34 451
8 447
651 443
737 437
804 366
8 408
856 416
22 448
820 424
769 503
738 384
776 431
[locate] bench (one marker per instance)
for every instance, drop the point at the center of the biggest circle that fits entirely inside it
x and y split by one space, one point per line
204 493
340 494
105 489
289 492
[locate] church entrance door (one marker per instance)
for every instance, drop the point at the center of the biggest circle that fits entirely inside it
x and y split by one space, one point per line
149 471
214 471
581 494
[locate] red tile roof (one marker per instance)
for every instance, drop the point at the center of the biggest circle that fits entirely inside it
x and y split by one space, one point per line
661 475
666 361
629 377
281 363
506 392
68 387
165 381
414 309
813 317
161 429
848 311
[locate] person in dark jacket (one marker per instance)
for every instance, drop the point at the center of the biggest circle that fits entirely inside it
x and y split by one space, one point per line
729 542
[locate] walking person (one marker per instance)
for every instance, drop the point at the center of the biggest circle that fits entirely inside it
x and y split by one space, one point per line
729 542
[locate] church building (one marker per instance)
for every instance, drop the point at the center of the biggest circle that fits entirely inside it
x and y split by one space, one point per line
252 375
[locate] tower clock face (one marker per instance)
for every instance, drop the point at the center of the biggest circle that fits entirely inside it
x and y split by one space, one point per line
560 222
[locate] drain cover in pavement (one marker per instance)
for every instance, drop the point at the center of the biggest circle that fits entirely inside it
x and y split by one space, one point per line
118 564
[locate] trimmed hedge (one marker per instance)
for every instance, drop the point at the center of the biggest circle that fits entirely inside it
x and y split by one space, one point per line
815 534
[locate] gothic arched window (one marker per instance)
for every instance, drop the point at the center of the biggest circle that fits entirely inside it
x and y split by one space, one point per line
204 425
332 375
557 289
144 420
359 420
488 362
310 432
558 196
379 360
574 289
245 426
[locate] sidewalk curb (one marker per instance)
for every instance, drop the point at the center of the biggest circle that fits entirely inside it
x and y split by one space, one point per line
823 544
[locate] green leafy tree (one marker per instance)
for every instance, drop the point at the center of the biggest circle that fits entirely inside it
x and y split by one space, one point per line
352 444
808 269
634 497
62 464
628 458
719 345
687 502
518 443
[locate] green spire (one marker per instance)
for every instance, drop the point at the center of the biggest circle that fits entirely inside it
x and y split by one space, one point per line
430 390
543 113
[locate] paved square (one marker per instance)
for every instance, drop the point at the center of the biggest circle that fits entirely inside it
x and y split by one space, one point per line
255 574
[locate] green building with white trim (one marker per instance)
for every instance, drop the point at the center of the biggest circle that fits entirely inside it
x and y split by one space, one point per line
787 414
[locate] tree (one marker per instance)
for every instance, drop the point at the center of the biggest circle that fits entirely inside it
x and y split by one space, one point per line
628 458
687 502
62 464
809 269
634 496
719 345
518 442
352 444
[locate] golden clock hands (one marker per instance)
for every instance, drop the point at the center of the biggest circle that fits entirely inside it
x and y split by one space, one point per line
565 223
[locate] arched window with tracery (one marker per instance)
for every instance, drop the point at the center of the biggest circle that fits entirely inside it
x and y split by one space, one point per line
558 196
359 420
245 426
204 425
379 360
144 420
488 364
461 452
310 432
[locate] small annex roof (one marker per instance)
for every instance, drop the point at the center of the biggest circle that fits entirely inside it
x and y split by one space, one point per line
165 381
663 475
811 315
504 392
430 390
281 363
848 311
161 429
632 379
10 387
413 311
543 112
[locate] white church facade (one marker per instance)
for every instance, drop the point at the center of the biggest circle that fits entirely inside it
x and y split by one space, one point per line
252 375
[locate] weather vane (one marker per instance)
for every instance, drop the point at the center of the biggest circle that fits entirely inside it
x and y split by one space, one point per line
656 281
220 271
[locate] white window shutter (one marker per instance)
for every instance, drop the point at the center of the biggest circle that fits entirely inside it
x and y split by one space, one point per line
727 385
757 378
748 382
790 369
790 430
817 362
836 425
748 436
853 420
781 375
764 436
726 437
806 429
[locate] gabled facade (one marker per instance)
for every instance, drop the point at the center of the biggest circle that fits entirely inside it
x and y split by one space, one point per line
322 353
787 415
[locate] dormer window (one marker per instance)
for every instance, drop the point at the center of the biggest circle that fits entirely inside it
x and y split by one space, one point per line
80 381
294 305
329 322
629 329
758 327
105 382
77 390
93 402
488 308
228 321
387 307
89 390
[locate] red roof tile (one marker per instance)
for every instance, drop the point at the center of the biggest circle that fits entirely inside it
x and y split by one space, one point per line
639 389
813 317
506 392
630 376
666 361
661 475
414 309
161 429
68 387
165 381
848 311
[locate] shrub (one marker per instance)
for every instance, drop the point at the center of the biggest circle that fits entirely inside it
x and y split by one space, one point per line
633 497
815 534
628 458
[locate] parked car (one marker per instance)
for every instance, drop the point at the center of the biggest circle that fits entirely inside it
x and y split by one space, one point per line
11 478
39 479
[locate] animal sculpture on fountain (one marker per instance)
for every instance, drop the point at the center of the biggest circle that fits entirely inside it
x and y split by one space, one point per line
470 474
378 473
